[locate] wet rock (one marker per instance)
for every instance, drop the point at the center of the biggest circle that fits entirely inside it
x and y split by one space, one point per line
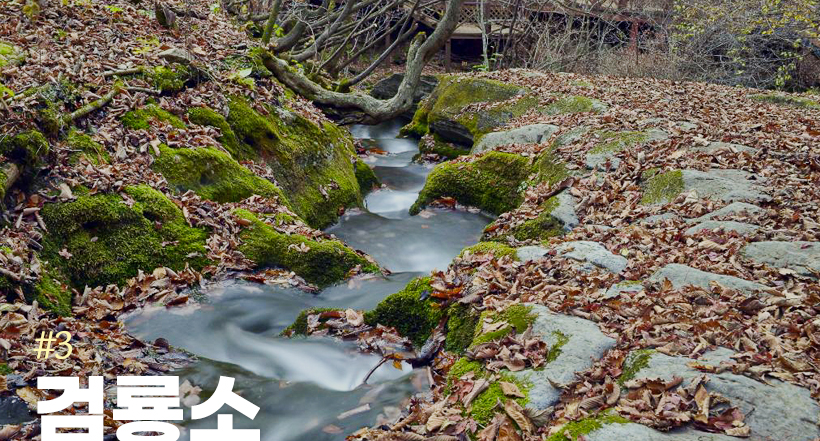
715 184
532 134
800 257
682 275
578 343
639 432
592 255
388 87
718 147
530 253
13 410
739 227
733 209
761 403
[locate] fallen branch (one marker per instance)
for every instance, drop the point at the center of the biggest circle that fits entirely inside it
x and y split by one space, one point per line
123 72
92 106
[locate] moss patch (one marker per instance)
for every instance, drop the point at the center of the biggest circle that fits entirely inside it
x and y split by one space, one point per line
205 116
491 182
324 262
85 147
787 100
110 241
613 142
212 174
28 148
461 323
5 369
549 168
518 317
300 325
663 187
414 317
462 366
311 163
10 54
171 79
443 148
561 339
634 363
497 249
365 177
483 407
586 425
574 104
141 118
542 227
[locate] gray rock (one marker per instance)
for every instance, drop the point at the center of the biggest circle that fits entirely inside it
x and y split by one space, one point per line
717 147
389 87
13 410
176 55
777 410
735 208
639 432
452 131
682 275
606 161
725 185
569 137
531 134
599 159
739 227
530 253
584 343
628 288
659 218
565 211
592 255
801 257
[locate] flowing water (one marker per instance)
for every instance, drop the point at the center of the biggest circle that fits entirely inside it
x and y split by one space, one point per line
310 388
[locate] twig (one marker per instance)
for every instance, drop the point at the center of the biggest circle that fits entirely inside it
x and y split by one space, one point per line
143 90
383 361
130 71
93 106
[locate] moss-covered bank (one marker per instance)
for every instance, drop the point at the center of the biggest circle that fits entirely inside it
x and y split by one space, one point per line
319 262
411 311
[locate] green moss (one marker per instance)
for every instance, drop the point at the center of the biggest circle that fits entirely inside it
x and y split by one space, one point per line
28 148
549 168
483 407
518 317
141 118
613 142
365 177
10 54
542 227
418 127
462 366
574 104
205 116
461 323
311 162
110 241
561 339
52 295
586 425
5 369
634 363
212 174
85 147
324 263
443 148
663 187
169 79
491 182
497 249
300 325
787 100
414 317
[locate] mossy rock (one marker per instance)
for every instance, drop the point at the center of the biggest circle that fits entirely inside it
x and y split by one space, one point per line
411 311
313 164
518 317
493 182
549 169
11 55
205 116
28 148
542 227
577 429
574 104
613 142
484 406
443 112
662 188
635 361
461 323
443 148
300 325
324 263
141 118
83 146
787 100
49 292
365 177
497 249
212 174
110 241
5 369
171 79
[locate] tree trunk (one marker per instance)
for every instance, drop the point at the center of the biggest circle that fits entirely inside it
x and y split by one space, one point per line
374 110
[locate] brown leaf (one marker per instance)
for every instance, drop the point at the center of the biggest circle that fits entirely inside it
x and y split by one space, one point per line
516 412
510 389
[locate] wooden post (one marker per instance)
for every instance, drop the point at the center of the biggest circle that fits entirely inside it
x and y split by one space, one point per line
633 36
448 52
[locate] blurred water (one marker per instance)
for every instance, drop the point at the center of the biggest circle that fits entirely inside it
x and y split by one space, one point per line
304 385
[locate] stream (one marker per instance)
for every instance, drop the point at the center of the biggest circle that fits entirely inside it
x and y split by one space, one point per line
310 388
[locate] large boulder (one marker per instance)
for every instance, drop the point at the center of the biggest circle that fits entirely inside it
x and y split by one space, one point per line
602 155
801 257
389 87
682 275
531 134
462 109
716 184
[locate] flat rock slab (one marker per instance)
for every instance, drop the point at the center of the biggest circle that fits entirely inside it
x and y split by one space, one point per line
531 134
800 257
606 160
584 344
777 410
718 147
654 219
682 275
739 227
639 432
725 185
592 255
733 209
628 288
531 252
